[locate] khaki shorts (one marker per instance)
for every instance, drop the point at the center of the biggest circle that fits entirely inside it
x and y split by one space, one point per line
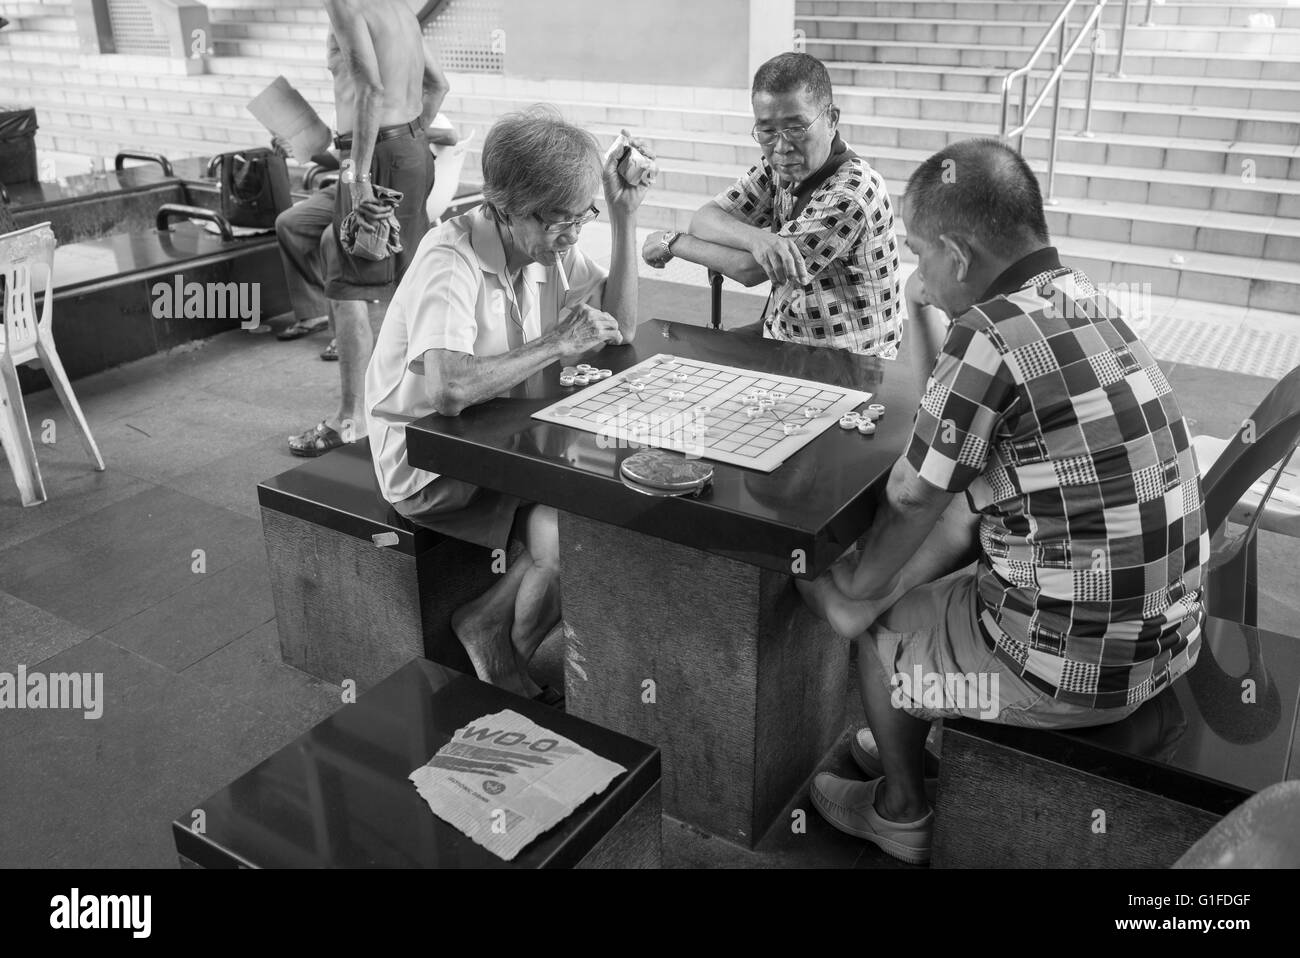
931 647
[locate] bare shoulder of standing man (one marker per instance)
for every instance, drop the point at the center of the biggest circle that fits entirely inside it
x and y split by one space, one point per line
387 88
811 216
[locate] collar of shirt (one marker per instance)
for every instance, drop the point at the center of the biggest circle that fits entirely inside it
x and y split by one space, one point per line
1015 276
491 253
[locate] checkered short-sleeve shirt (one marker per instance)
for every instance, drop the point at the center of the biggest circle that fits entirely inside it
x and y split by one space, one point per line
853 299
1055 419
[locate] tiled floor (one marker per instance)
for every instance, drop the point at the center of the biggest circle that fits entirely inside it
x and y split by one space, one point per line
154 574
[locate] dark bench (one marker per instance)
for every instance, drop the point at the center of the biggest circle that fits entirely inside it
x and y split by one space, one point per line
339 796
347 608
1015 797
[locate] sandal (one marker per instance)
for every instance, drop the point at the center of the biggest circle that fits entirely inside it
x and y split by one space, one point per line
315 441
303 327
331 352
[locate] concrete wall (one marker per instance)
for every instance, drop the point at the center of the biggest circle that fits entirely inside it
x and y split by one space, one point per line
676 42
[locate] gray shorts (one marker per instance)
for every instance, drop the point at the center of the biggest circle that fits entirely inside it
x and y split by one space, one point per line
463 511
933 650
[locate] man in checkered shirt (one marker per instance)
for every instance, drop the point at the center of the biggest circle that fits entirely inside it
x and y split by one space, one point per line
810 216
1052 417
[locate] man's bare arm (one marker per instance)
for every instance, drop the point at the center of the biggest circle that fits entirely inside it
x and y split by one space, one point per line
733 263
777 256
435 86
908 511
362 64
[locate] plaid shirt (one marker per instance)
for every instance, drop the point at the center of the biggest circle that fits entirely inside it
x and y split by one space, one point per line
853 299
1053 417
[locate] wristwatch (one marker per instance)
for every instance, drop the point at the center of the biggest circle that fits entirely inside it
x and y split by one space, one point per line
667 241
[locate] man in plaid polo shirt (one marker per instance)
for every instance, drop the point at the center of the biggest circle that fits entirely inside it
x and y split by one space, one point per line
810 216
1052 417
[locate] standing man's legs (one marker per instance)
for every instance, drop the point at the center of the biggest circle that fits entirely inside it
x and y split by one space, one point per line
353 285
302 230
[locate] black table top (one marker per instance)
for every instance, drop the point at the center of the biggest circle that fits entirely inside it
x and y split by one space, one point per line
339 796
82 267
1203 742
820 500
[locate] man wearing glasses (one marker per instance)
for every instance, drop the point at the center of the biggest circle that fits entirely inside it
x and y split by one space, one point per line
492 297
810 216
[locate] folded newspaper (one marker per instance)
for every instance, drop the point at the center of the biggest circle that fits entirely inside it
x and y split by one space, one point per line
503 780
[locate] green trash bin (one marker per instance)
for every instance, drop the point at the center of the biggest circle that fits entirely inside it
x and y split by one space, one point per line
17 144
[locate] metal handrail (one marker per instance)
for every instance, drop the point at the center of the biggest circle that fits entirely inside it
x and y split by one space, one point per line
1123 35
1063 56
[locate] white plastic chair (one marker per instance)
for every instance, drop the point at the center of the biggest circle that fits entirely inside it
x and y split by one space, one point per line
451 160
25 338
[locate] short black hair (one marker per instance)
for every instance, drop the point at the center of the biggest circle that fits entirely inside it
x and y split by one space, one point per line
981 187
787 72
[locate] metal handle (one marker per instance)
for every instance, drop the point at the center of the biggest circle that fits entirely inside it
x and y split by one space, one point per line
214 164
147 157
318 177
169 211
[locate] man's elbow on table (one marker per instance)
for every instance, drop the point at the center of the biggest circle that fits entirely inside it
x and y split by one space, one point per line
448 399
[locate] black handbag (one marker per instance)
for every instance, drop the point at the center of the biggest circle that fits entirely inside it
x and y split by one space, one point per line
254 187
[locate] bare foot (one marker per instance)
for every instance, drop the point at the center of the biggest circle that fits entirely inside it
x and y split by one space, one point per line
490 652
848 617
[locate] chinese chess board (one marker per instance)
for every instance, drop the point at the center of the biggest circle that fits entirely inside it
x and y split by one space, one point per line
736 416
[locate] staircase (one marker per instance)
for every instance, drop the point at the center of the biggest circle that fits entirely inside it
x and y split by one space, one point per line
1190 183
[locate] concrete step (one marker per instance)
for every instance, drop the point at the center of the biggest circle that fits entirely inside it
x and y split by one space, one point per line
280 13
1016 33
272 31
197 89
1170 13
1175 91
1136 62
38 40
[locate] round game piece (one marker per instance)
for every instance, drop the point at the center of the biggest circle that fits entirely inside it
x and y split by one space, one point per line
752 412
580 380
765 403
875 411
562 410
812 412
680 377
606 373
849 420
776 397
789 428
635 385
675 395
585 367
866 427
703 410
567 379
569 371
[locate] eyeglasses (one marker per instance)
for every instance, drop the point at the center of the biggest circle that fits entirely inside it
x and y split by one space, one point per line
564 225
794 135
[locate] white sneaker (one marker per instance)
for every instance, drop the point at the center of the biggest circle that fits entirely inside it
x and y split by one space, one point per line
848 806
862 746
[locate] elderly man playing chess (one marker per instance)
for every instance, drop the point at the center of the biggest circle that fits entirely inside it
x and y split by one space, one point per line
492 297
1054 422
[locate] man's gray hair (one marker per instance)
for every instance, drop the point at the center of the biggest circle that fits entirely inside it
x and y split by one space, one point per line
536 163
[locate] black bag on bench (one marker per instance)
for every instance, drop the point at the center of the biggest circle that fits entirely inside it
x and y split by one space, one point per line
254 187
